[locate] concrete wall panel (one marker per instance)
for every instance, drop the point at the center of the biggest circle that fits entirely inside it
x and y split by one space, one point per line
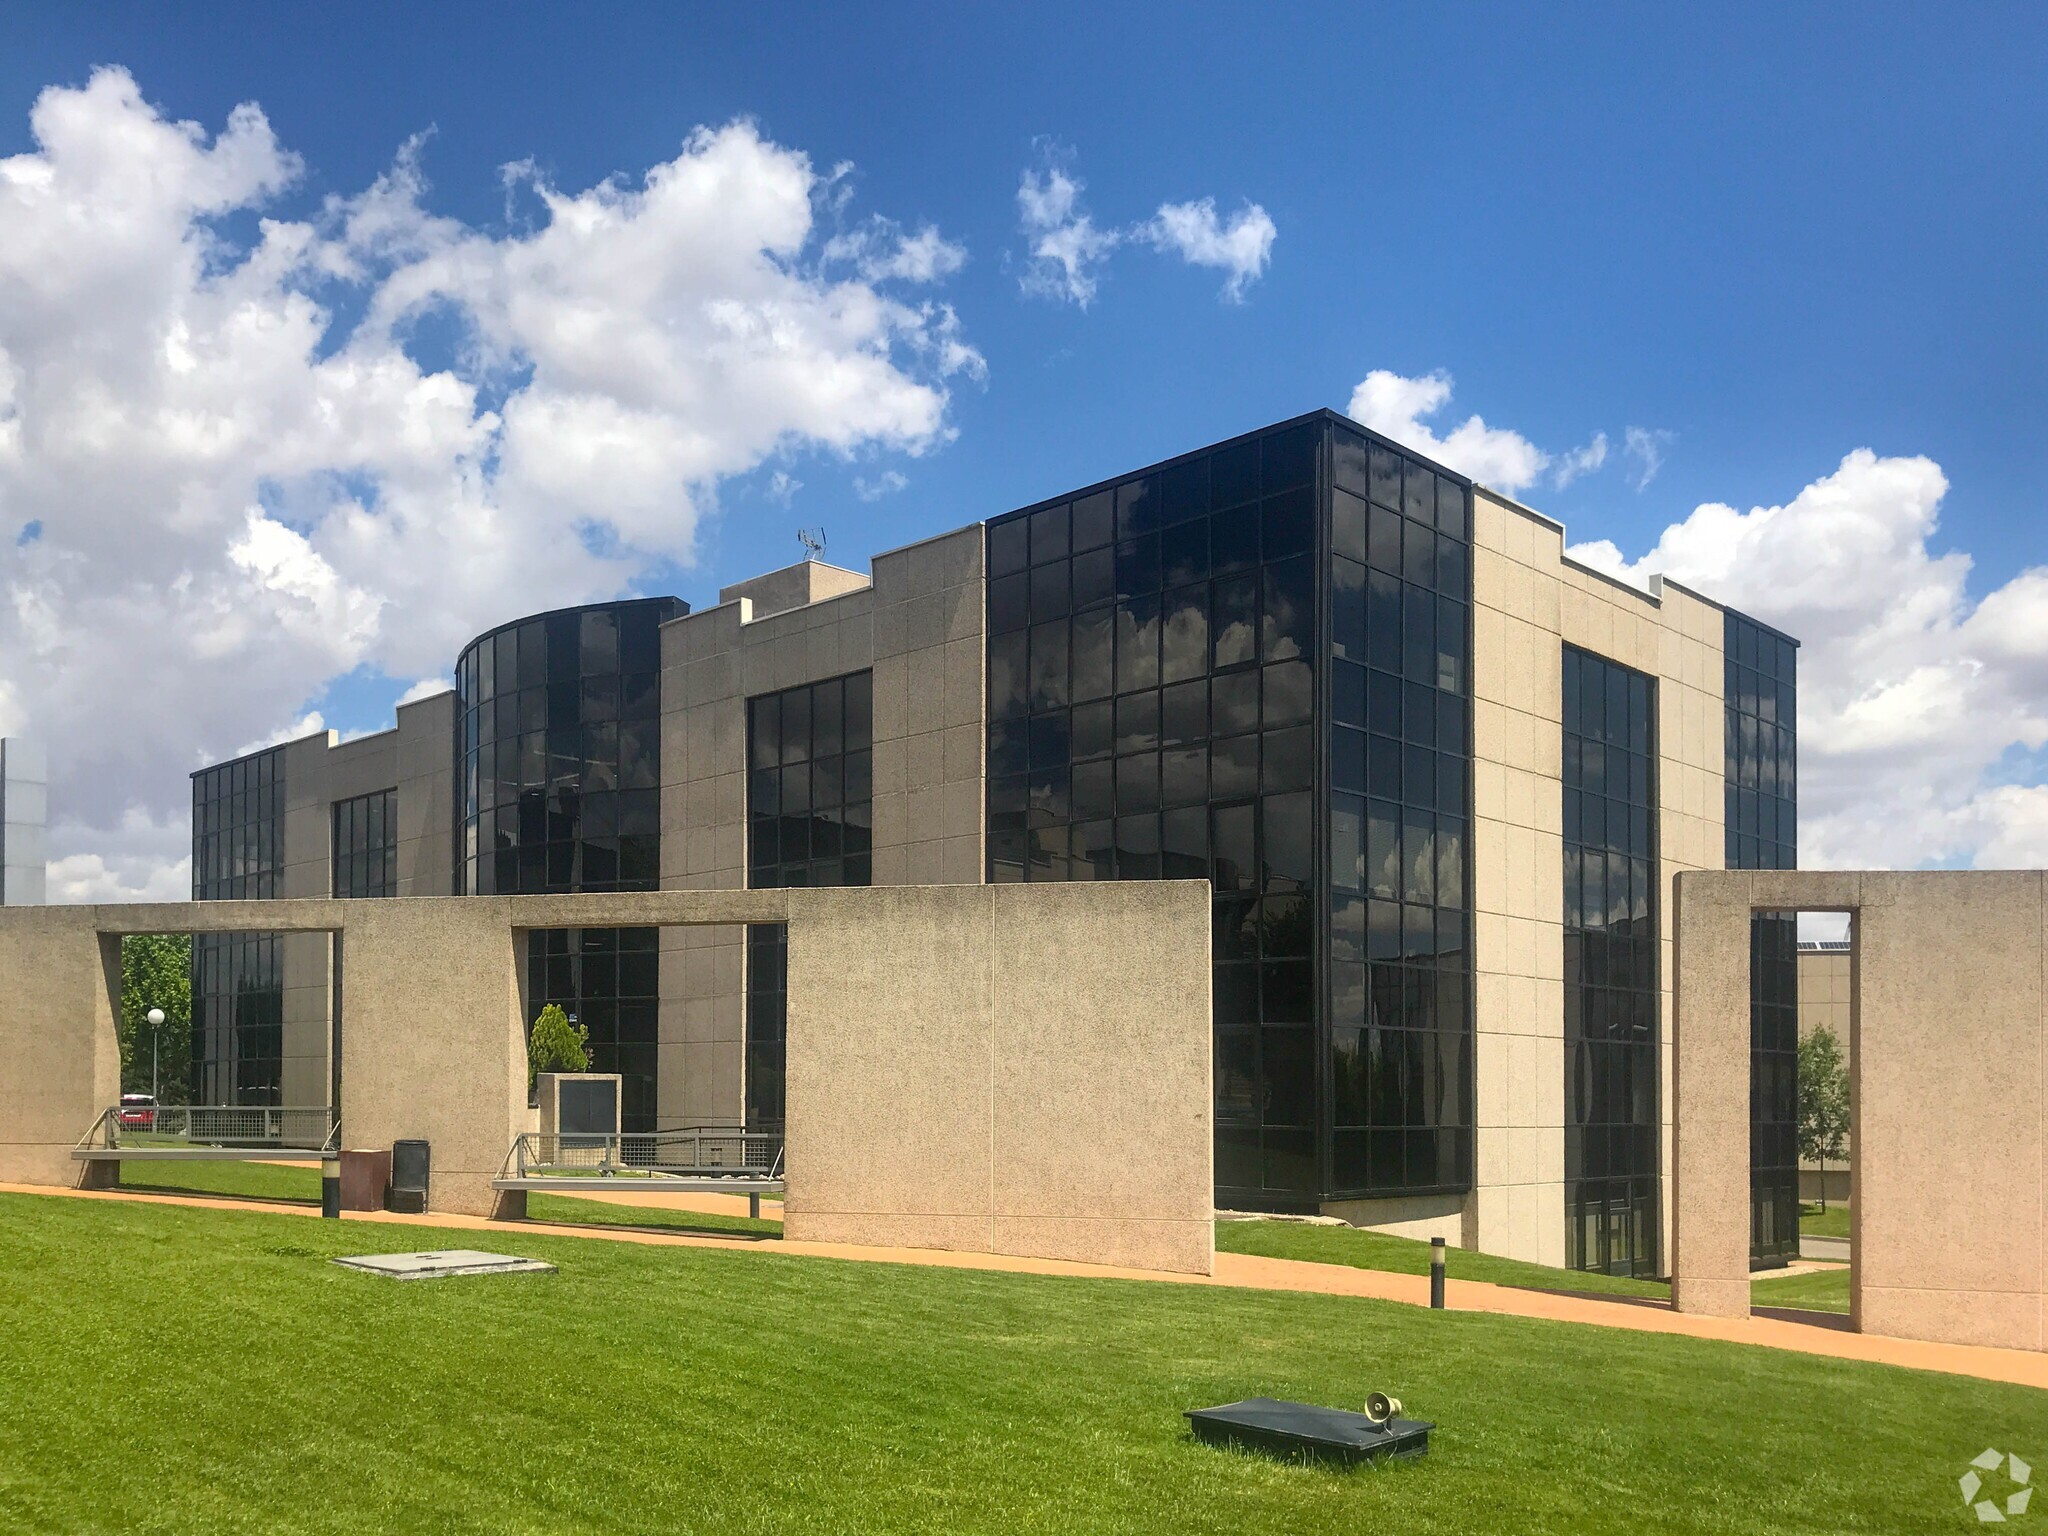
60 1062
1011 1069
1043 1089
1949 1097
433 1046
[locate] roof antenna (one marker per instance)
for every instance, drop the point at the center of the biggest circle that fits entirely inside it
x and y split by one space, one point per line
813 541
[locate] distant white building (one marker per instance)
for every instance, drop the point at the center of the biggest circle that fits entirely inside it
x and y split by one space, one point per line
24 806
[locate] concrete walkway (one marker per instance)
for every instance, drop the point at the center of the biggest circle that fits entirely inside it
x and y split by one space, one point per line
2021 1367
1833 1250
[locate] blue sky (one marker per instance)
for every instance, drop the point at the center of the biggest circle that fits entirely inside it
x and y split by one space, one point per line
1767 236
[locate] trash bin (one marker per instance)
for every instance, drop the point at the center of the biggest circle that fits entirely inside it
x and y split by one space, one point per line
411 1163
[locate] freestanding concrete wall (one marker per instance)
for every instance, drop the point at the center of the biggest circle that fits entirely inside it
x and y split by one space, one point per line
1005 1069
1949 1097
60 1061
1008 1069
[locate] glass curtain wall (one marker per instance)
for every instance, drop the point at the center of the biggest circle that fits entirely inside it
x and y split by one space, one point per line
560 731
1158 648
366 845
810 821
238 978
1611 966
1760 688
1400 760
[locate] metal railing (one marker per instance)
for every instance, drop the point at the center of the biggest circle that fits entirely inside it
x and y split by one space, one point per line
314 1128
698 1152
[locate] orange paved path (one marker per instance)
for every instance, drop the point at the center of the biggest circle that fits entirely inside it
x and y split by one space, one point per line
2023 1367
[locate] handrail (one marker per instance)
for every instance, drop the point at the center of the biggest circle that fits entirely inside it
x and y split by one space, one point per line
308 1127
698 1152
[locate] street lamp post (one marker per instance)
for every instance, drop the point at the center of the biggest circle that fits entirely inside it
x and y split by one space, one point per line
156 1026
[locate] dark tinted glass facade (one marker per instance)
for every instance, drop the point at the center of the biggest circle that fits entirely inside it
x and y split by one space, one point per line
238 978
560 735
609 981
238 1019
1400 975
561 752
1611 1007
810 821
1760 682
1160 650
366 845
238 829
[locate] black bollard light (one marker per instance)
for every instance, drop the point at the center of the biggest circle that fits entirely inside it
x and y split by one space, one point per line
330 1187
1436 1273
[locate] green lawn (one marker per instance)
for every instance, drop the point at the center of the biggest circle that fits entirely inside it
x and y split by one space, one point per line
1406 1256
1822 1291
1833 1222
253 1181
1275 1239
567 1208
171 1369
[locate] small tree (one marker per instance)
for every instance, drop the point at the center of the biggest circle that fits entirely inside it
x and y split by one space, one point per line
156 972
556 1045
1823 1102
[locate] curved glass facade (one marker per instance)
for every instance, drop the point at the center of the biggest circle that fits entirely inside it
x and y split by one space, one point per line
559 726
560 722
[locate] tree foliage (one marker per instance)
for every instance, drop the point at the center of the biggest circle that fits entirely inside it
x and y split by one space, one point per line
1823 1102
156 972
556 1045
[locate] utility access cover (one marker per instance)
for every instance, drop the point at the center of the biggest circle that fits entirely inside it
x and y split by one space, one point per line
444 1264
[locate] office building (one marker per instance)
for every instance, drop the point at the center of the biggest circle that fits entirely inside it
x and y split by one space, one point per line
24 809
1438 775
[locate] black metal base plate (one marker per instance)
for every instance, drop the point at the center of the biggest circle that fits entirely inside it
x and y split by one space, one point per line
1269 1424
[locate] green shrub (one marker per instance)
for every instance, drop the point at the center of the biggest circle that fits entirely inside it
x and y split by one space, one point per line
556 1045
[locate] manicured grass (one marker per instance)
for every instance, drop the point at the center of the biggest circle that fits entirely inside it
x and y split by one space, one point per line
567 1208
282 1181
253 1181
1833 1222
1824 1290
171 1369
1405 1256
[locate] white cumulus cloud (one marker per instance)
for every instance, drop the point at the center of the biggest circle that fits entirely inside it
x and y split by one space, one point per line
1920 708
1395 406
1646 446
1580 461
1067 248
1240 248
227 475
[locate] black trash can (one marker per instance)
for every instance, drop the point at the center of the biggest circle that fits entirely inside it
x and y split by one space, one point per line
411 1163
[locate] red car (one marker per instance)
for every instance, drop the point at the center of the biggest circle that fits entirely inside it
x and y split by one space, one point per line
138 1112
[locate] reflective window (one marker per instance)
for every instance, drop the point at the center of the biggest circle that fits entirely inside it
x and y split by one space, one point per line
1158 652
1611 966
238 829
1399 765
609 981
560 733
561 752
1760 674
810 821
366 845
238 978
